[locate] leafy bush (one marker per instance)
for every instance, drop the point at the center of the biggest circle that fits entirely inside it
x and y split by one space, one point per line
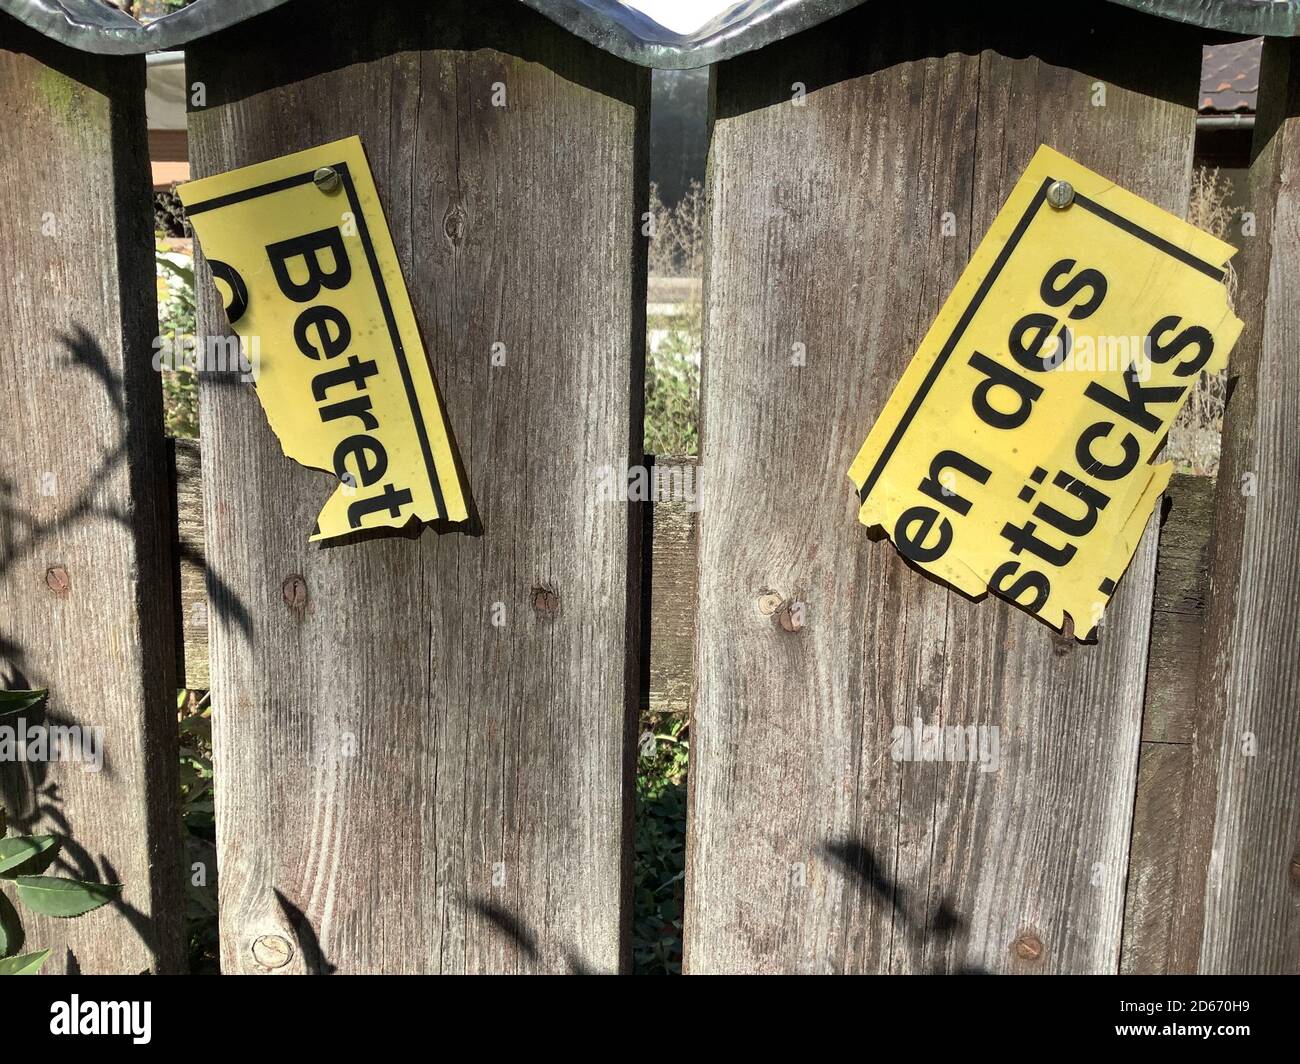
177 320
24 859
660 845
198 819
672 384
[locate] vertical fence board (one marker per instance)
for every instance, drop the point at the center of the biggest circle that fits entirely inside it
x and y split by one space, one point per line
1241 869
672 609
85 573
192 593
1160 804
483 822
809 849
1178 609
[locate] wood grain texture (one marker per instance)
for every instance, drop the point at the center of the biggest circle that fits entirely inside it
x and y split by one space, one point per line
809 849
191 565
85 554
383 750
673 590
1240 891
1151 900
1152 896
672 595
1178 609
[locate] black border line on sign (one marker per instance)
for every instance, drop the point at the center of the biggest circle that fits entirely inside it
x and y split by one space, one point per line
1145 235
372 260
1093 207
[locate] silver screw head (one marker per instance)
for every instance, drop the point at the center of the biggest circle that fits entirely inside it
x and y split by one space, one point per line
326 178
1060 194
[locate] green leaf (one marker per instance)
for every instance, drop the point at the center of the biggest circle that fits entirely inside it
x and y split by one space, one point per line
23 850
8 699
64 897
11 928
15 702
27 964
184 274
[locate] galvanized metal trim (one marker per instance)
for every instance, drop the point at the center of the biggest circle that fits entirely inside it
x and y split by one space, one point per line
93 26
1217 122
636 38
1250 18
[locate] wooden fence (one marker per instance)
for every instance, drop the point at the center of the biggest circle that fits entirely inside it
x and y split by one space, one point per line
425 745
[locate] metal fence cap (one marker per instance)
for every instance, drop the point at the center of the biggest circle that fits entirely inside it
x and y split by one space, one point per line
94 26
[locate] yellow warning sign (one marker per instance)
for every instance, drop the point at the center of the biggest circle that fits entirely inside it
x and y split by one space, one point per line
1015 452
302 247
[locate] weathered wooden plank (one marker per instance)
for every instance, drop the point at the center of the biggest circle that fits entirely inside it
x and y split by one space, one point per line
1178 609
191 568
403 784
673 588
672 605
1151 898
85 557
1241 867
809 849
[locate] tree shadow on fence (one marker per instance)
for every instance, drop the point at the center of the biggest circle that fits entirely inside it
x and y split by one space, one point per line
509 926
32 798
313 955
856 859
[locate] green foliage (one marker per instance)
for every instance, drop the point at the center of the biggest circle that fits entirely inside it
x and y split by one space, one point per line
23 850
64 898
672 397
23 858
27 964
672 386
11 928
176 323
660 845
198 818
17 703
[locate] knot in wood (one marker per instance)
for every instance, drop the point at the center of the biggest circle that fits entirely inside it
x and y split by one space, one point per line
453 224
272 951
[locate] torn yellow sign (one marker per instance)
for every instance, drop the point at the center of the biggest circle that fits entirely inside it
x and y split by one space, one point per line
302 246
1014 454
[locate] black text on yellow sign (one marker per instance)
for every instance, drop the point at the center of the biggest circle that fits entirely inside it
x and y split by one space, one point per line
1015 452
342 375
